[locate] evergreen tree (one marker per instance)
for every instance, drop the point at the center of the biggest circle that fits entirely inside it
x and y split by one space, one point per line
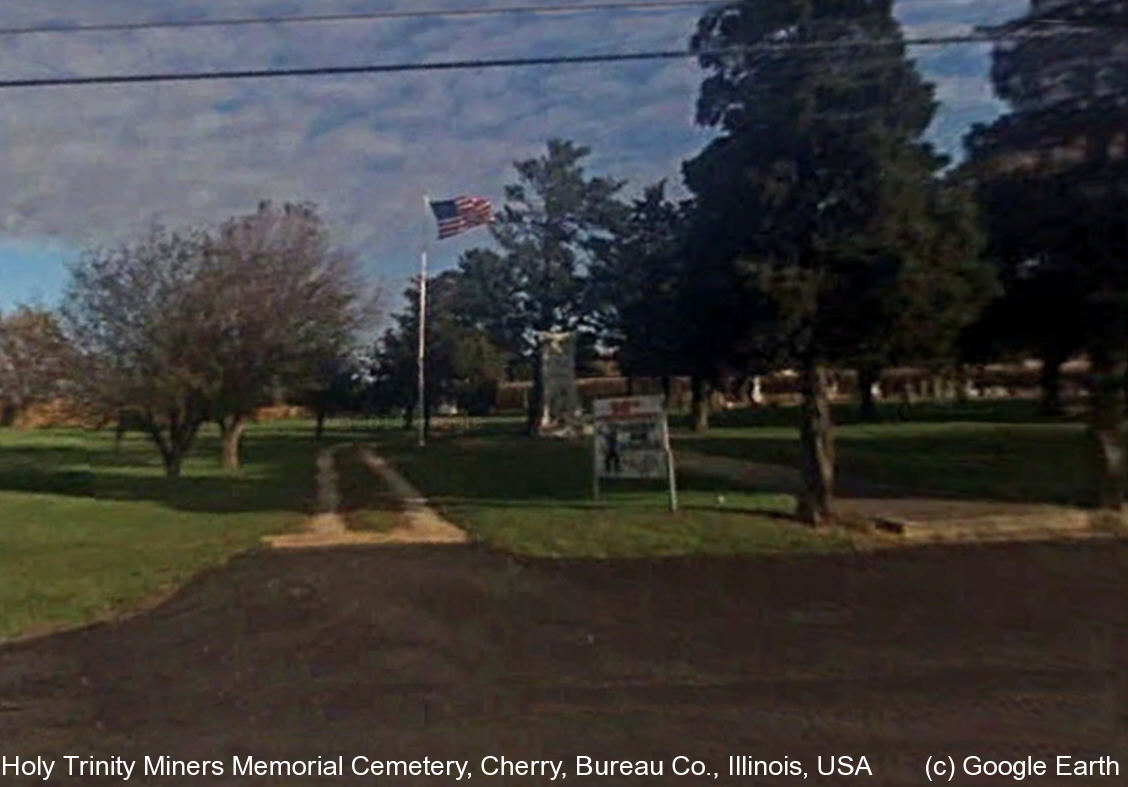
1053 179
463 366
553 218
638 288
818 206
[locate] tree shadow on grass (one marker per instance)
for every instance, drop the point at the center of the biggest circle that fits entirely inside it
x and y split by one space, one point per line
277 472
1005 464
1014 463
540 474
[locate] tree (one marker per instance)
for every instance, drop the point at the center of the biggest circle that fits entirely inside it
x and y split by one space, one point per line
183 327
1053 178
335 386
395 371
547 232
641 286
477 366
35 359
818 207
463 365
941 286
283 305
132 315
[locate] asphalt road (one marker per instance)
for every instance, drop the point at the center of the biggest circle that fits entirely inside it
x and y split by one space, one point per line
457 653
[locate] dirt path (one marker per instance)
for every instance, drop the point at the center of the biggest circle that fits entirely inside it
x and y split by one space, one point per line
459 652
326 527
327 520
420 524
417 523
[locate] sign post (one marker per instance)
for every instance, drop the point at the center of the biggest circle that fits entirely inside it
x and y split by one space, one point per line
632 440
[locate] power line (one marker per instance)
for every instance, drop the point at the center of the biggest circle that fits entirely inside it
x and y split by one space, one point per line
388 68
358 16
515 62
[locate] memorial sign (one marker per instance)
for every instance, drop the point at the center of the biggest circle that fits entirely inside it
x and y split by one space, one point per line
632 440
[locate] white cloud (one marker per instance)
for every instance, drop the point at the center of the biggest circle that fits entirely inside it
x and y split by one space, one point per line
88 164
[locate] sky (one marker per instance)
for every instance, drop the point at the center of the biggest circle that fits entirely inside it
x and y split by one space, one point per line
91 165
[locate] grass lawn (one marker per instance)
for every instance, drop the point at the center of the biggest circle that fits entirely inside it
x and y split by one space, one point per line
534 497
87 532
988 451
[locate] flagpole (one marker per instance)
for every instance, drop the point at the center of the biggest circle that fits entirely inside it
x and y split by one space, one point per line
421 399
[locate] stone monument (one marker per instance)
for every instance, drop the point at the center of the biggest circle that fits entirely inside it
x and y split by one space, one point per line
560 411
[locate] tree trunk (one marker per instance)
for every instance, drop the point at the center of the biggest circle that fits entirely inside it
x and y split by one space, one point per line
319 429
231 432
868 377
961 384
535 415
169 455
176 446
408 418
1052 360
172 464
700 388
1106 433
816 438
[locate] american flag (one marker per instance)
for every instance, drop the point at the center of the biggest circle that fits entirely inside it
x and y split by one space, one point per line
460 214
